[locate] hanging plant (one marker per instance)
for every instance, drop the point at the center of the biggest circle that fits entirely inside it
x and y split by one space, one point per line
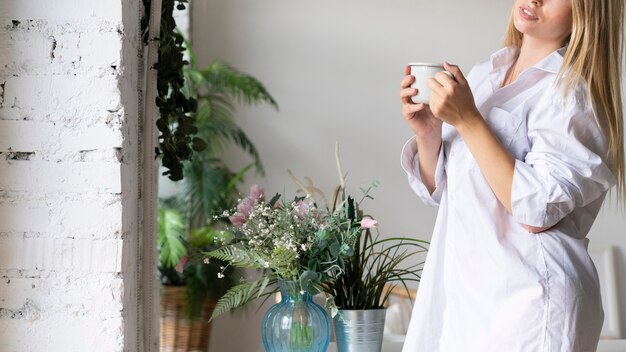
177 112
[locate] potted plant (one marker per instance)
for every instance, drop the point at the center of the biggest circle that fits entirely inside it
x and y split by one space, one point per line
186 223
188 290
357 296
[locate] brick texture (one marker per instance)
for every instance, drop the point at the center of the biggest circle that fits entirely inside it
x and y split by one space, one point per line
68 172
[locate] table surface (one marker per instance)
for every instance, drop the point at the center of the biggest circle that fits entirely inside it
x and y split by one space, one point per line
387 347
604 346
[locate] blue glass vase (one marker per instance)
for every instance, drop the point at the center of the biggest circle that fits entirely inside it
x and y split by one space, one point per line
296 323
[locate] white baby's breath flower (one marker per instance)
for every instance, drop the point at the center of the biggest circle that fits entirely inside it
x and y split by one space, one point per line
206 261
220 275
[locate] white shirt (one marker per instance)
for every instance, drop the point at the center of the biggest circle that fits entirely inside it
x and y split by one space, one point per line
488 284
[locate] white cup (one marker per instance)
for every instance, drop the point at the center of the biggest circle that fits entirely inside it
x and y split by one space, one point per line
423 72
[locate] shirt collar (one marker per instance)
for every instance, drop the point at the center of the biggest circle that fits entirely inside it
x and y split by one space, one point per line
503 58
552 63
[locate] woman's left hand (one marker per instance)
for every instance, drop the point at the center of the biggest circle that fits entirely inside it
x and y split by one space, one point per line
451 99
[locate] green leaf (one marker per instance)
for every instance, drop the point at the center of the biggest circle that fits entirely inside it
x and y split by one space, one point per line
322 235
266 281
170 231
310 281
237 256
198 144
335 248
346 250
240 295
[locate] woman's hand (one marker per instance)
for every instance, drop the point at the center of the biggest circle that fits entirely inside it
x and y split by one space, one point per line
451 99
427 129
418 116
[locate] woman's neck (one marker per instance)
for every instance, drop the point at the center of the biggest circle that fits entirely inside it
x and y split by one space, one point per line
531 52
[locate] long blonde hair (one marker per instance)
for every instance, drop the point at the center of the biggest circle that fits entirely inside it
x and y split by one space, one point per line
594 55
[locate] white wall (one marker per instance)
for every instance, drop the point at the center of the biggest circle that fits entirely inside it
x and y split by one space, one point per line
335 68
68 175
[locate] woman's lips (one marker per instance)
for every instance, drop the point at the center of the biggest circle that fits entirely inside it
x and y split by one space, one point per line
527 13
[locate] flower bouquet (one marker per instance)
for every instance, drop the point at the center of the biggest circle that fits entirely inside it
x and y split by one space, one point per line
298 245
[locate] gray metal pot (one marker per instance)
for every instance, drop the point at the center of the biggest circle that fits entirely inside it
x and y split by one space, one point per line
360 330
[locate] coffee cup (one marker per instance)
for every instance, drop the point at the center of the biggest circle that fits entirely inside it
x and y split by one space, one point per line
423 72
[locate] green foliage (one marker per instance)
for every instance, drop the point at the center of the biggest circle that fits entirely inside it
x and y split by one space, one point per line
237 256
197 112
242 294
295 241
215 87
195 105
175 242
374 264
196 121
171 229
177 119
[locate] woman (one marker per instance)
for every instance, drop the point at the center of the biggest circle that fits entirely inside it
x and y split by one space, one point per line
519 157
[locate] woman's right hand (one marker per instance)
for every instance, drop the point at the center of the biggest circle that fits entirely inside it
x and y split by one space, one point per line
418 116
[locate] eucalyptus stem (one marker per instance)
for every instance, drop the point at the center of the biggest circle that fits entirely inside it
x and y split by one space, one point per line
177 118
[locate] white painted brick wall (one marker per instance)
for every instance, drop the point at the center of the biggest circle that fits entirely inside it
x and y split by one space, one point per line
69 144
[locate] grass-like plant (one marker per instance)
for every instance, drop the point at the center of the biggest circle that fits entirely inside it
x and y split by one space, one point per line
376 266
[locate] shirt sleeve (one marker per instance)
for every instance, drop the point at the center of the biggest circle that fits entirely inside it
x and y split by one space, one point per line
564 168
410 163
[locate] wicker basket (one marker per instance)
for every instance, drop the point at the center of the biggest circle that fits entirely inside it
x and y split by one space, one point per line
178 333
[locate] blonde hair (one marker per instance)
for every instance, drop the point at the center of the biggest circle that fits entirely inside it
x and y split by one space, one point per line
594 55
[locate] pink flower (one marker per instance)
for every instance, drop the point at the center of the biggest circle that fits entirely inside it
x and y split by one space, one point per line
245 207
303 209
256 193
181 264
238 220
368 223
